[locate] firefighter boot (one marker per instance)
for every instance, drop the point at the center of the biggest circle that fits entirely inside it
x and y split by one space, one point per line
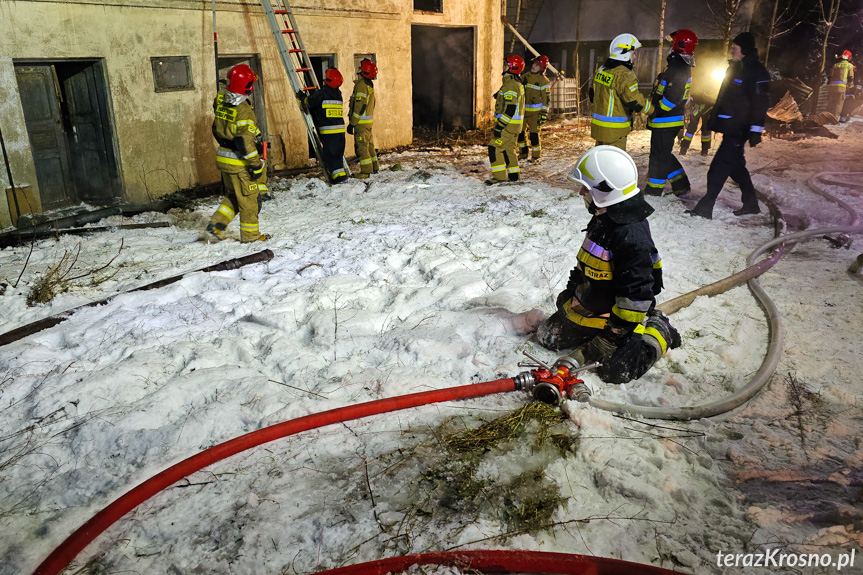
684 146
660 334
212 234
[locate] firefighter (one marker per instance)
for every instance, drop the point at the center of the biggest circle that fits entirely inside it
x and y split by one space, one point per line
701 105
327 111
238 158
739 115
669 98
537 93
853 99
614 94
509 116
361 116
607 311
841 77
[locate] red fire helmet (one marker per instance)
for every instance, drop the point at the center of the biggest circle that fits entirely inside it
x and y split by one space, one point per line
333 78
368 69
684 42
846 54
241 79
543 62
515 64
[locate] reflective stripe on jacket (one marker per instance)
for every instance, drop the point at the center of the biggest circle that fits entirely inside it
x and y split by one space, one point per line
670 94
235 128
362 106
619 272
509 107
537 93
615 99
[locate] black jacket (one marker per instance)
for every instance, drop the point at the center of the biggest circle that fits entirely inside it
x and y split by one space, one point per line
320 101
670 94
743 99
619 269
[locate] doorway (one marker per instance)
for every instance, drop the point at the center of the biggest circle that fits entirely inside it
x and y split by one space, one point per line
68 118
442 61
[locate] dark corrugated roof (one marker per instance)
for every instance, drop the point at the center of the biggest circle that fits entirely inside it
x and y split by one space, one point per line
602 20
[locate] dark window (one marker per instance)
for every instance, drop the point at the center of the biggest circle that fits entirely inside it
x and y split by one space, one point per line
429 5
172 73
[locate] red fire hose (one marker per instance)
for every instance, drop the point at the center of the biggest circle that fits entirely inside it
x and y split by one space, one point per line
506 561
60 558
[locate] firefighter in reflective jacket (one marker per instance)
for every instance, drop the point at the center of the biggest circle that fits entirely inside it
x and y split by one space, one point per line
327 111
841 76
615 96
607 311
509 116
362 113
238 158
700 107
537 93
669 98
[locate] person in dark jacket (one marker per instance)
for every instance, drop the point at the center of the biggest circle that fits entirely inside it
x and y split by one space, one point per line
327 111
739 114
669 98
607 311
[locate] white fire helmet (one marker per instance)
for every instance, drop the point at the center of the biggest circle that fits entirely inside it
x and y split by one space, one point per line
622 47
609 173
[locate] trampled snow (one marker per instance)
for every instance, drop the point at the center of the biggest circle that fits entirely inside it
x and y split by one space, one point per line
414 280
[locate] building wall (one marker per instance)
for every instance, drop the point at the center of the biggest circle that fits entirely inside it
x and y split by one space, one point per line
164 139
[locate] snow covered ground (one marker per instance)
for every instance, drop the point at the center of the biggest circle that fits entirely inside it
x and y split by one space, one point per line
407 282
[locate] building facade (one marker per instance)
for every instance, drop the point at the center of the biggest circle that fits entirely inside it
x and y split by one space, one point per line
106 102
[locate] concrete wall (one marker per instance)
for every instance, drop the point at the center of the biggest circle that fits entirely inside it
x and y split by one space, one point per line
164 139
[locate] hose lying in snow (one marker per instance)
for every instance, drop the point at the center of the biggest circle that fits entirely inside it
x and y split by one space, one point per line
504 561
51 321
776 336
59 559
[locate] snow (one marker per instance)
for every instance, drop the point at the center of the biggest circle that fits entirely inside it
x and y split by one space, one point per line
413 280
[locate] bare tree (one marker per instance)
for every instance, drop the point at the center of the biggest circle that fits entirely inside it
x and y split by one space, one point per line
827 19
517 22
723 13
782 22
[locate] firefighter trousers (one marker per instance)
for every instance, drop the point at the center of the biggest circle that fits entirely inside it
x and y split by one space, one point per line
333 152
559 333
835 99
692 128
532 126
242 195
664 165
503 157
364 147
618 143
729 161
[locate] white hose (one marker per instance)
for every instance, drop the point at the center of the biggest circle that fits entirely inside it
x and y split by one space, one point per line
776 335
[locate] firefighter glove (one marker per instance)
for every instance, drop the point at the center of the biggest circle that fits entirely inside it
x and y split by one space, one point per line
754 139
301 95
563 297
629 361
497 133
257 172
542 118
350 128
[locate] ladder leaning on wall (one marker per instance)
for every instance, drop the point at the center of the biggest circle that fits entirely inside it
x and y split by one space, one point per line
298 67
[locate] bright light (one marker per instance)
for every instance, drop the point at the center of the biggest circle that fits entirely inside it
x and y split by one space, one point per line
718 74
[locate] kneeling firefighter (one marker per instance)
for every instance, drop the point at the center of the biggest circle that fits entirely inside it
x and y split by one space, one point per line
607 311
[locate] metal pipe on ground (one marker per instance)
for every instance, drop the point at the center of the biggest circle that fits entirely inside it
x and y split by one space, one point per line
45 323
